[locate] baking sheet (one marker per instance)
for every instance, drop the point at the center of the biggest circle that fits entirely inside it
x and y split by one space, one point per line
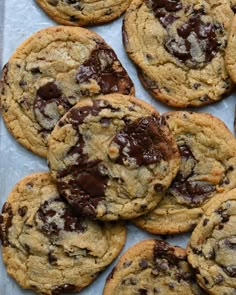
18 20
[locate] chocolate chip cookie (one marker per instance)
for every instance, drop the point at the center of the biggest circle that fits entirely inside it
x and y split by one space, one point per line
112 157
152 267
49 73
208 167
83 12
48 248
230 56
211 249
179 49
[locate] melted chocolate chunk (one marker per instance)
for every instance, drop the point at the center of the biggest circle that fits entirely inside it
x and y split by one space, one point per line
5 223
158 187
142 291
205 221
66 288
49 217
230 271
163 250
141 142
22 211
233 7
49 91
164 10
101 66
87 185
47 103
52 259
230 244
35 70
196 42
223 213
192 192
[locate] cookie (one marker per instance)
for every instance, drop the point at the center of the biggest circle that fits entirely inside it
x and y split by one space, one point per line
49 73
84 12
112 157
179 49
46 247
211 249
230 56
208 167
152 267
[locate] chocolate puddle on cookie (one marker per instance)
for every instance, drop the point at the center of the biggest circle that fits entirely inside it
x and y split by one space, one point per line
196 42
102 67
185 190
139 143
50 105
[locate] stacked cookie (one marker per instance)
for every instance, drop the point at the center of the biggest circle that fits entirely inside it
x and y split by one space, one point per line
112 157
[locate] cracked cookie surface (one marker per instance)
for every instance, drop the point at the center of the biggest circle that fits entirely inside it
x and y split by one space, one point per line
112 157
49 73
83 12
179 49
152 267
208 167
48 248
211 249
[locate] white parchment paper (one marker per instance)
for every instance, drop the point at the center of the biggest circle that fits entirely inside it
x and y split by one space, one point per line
20 19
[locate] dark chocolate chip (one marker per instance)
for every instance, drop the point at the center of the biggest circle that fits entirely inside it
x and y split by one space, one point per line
230 271
66 288
22 83
74 18
158 187
22 211
105 122
52 259
49 91
142 291
143 264
5 223
35 70
233 7
205 221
